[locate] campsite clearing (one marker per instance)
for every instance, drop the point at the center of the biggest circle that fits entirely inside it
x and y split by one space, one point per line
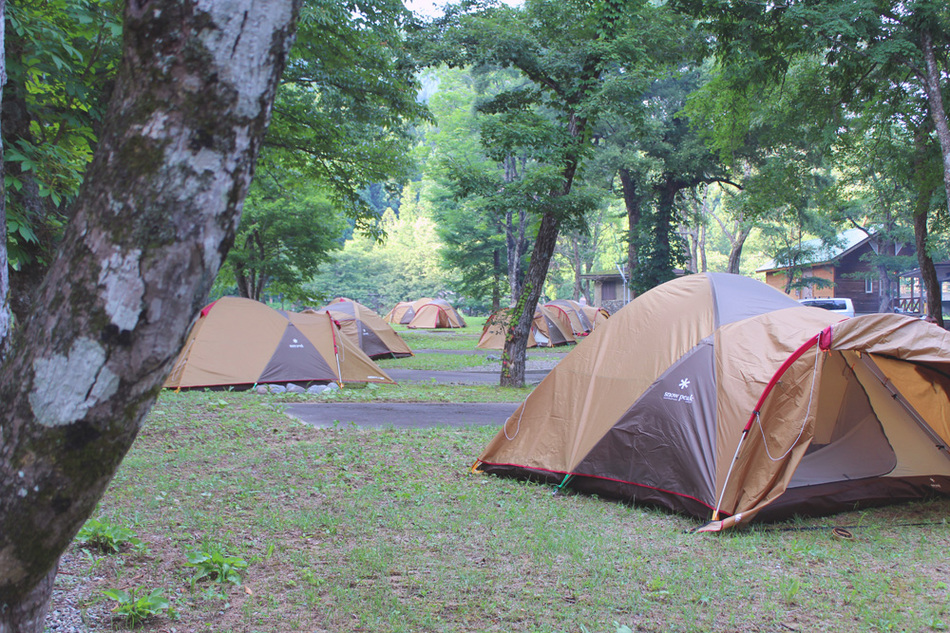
383 530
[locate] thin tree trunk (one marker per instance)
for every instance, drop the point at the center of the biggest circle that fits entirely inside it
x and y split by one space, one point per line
4 265
928 273
632 203
937 111
155 217
516 339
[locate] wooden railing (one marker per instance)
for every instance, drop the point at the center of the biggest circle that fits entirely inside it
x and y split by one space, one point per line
911 304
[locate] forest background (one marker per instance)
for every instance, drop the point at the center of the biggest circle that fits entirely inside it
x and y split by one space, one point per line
396 167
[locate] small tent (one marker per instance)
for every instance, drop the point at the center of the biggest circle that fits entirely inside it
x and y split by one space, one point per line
403 311
239 342
596 316
435 313
552 327
720 397
367 329
496 326
580 324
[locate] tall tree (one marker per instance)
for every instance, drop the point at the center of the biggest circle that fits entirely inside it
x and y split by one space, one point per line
153 220
566 49
872 50
286 233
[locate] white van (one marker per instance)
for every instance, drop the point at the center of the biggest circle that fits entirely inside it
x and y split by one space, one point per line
840 305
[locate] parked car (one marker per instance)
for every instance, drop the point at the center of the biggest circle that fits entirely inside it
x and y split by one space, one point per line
840 305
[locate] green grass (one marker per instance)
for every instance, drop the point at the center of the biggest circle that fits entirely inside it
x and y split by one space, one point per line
445 339
414 392
440 362
388 531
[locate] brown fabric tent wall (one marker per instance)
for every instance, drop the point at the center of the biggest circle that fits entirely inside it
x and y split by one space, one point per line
717 396
403 312
493 333
238 342
367 329
580 324
435 313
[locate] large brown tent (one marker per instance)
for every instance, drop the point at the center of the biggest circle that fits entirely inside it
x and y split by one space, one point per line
720 397
367 329
239 343
435 313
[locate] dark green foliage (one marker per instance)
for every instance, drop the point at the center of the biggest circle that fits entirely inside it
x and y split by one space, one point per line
286 232
61 58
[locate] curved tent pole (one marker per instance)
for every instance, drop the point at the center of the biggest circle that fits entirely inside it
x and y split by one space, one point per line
758 406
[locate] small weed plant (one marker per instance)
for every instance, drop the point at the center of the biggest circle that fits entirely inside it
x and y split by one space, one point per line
106 537
138 604
214 564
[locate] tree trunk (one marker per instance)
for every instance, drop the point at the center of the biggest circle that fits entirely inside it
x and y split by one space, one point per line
516 339
576 262
496 282
632 201
928 273
937 111
155 216
735 251
4 265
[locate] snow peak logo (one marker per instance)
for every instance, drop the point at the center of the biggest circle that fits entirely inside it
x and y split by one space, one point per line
296 345
680 397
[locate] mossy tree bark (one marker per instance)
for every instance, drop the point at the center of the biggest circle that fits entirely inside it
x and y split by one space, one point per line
155 217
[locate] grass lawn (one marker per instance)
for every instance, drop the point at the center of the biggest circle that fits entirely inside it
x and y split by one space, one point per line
384 530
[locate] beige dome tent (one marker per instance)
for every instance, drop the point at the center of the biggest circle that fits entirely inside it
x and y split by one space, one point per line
580 324
435 313
240 342
493 334
403 311
596 316
549 328
367 329
720 397
552 327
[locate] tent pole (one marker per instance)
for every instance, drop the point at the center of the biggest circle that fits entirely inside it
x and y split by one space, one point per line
758 407
715 516
336 352
898 397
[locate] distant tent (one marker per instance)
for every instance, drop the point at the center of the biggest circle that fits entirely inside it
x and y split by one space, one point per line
552 327
435 313
580 324
720 397
239 343
367 329
496 326
596 316
404 311
549 328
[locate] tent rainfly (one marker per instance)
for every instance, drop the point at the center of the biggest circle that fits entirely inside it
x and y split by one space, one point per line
549 328
436 313
239 342
580 324
496 326
403 311
367 329
717 396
